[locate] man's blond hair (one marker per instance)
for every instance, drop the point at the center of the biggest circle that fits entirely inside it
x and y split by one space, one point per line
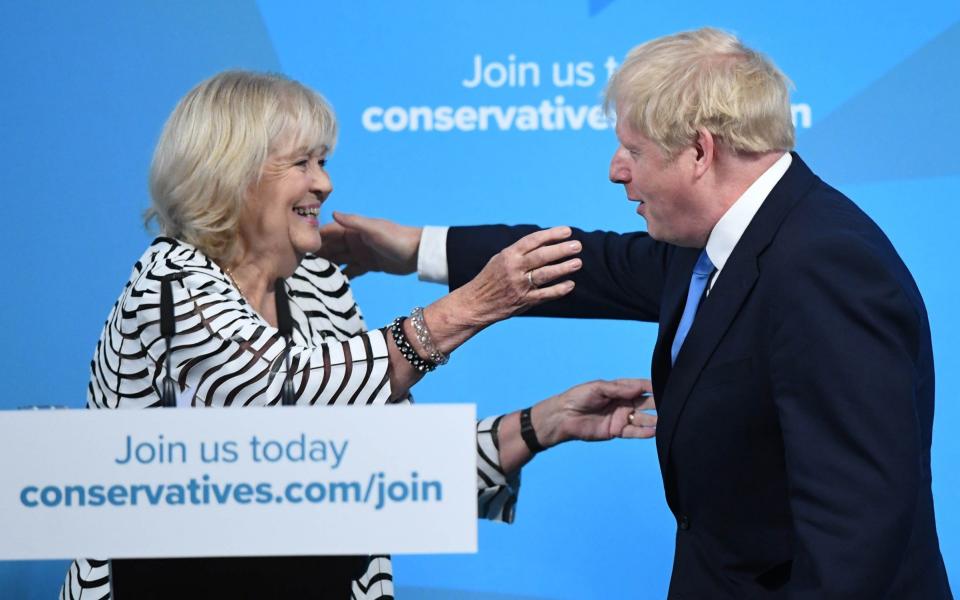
670 87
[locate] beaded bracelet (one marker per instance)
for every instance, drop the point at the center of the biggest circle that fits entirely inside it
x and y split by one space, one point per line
406 349
424 337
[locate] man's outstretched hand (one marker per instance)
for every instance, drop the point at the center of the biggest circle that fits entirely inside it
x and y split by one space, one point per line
365 244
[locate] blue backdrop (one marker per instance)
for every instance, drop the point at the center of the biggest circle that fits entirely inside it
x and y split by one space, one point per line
87 89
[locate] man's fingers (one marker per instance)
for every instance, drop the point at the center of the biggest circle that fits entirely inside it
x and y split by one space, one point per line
641 419
362 225
645 402
351 221
627 388
634 432
334 244
331 229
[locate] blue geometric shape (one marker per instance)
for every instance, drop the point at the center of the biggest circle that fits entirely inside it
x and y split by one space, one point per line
904 125
431 593
87 89
598 5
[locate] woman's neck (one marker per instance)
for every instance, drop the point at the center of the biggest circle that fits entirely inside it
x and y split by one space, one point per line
256 282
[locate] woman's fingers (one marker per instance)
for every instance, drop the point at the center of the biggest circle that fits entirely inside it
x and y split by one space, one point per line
551 253
539 277
551 292
540 238
538 251
518 277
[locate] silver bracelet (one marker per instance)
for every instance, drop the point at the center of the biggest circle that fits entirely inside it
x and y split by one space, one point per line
424 337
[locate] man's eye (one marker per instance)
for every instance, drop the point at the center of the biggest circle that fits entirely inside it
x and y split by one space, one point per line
302 163
322 162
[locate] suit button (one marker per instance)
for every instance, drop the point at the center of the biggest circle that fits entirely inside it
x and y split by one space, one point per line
684 522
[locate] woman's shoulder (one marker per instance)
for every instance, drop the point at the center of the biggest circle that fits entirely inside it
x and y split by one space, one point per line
321 285
169 257
322 274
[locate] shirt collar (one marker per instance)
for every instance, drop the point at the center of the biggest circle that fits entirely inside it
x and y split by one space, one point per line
729 229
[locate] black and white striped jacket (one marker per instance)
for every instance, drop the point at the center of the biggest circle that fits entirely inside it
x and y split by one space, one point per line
226 355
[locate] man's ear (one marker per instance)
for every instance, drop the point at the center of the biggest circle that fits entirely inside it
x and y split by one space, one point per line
704 147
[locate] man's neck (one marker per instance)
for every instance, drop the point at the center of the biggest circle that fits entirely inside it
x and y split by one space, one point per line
737 172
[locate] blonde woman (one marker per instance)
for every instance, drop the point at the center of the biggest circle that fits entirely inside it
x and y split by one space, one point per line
237 181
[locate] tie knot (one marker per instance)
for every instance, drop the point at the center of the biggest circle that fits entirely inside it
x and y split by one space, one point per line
704 266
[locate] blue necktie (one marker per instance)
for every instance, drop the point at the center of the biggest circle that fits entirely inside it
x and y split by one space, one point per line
698 283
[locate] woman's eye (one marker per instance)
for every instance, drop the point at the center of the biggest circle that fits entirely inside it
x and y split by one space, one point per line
302 164
322 162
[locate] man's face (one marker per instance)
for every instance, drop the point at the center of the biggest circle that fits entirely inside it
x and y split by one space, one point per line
665 189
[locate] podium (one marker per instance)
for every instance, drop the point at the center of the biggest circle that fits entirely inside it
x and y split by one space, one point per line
257 490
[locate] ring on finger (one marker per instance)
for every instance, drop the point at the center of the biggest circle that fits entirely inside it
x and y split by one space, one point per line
530 280
631 417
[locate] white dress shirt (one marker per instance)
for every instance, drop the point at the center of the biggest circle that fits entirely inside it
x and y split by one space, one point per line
729 229
432 256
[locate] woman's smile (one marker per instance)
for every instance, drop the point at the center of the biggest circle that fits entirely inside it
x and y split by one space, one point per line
310 213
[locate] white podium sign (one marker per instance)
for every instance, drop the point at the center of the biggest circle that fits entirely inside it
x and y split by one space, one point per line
252 482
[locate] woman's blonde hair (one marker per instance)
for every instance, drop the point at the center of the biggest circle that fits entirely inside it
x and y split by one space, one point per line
669 87
214 146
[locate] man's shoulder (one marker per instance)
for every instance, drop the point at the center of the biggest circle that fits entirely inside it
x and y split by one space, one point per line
825 220
828 240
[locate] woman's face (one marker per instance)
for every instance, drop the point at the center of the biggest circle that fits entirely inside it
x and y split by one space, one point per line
280 219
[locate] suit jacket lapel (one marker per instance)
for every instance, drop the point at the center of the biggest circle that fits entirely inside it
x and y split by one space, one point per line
675 293
718 311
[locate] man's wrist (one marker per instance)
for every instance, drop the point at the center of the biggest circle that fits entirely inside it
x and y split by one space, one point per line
528 433
547 423
432 255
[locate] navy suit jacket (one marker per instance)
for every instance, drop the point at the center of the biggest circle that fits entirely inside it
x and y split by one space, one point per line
795 427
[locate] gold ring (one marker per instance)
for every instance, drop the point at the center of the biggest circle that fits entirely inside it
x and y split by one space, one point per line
530 279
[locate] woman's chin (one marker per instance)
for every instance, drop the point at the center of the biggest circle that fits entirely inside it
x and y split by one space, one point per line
308 246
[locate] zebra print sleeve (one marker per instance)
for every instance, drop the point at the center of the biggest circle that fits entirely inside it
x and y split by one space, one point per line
224 354
496 492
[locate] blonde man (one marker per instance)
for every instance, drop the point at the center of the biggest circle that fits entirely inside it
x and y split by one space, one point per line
793 369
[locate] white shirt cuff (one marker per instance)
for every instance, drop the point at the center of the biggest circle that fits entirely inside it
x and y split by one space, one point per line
432 256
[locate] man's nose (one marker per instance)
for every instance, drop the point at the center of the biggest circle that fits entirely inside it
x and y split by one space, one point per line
619 173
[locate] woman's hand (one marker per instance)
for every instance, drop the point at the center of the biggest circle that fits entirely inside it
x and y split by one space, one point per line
515 279
518 277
